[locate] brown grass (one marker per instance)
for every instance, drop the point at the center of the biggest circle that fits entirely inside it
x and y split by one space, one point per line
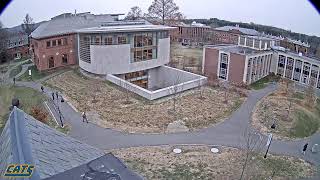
197 162
141 115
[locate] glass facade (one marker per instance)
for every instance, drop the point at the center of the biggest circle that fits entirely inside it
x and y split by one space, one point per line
223 67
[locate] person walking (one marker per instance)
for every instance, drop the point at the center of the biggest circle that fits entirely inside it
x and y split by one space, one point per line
52 95
84 117
42 89
14 81
57 95
304 149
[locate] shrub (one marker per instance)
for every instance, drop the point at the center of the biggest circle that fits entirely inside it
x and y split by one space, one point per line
39 114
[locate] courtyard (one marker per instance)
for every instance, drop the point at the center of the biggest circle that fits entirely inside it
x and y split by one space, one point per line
198 162
110 106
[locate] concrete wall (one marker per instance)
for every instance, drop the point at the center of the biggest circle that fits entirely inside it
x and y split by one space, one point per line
151 95
165 76
115 59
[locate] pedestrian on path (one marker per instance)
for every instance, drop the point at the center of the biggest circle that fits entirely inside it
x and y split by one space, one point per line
57 95
14 81
84 117
304 149
42 89
52 95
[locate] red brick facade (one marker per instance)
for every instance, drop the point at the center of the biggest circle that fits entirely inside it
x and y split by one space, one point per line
205 35
235 70
22 50
294 47
225 37
190 34
54 52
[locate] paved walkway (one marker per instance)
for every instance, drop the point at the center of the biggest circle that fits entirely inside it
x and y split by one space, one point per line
228 133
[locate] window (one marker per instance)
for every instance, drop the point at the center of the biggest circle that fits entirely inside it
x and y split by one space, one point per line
54 43
64 41
223 68
64 59
143 47
51 62
48 43
122 40
108 40
59 42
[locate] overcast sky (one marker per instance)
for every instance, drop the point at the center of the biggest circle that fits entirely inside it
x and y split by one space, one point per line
296 15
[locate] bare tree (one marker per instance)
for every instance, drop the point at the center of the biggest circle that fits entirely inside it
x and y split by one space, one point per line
3 44
201 89
166 10
174 90
290 93
28 25
252 144
135 13
310 95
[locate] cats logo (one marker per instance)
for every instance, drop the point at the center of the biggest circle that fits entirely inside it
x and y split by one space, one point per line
19 170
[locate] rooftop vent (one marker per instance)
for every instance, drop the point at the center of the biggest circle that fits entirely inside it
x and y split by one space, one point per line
119 23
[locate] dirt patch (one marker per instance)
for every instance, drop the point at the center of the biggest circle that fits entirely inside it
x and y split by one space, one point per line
141 115
293 119
197 162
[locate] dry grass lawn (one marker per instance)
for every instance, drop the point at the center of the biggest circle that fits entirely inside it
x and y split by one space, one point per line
197 162
188 58
292 121
140 115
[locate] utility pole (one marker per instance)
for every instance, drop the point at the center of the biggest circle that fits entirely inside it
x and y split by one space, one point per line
268 144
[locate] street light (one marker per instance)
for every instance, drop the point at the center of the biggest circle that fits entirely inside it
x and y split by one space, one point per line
273 126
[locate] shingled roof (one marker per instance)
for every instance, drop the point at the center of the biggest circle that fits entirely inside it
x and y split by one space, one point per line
25 140
242 30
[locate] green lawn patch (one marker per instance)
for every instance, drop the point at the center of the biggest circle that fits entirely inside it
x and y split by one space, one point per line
305 125
28 98
298 95
35 74
262 83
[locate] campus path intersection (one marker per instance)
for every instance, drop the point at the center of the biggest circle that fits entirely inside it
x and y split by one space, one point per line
228 133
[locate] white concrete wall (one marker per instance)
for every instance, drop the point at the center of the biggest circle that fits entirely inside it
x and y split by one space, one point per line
115 59
165 76
151 95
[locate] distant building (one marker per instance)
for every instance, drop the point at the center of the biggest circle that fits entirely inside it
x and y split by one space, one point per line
194 33
18 46
54 155
255 57
295 46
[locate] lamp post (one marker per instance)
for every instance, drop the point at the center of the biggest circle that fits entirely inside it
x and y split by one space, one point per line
273 126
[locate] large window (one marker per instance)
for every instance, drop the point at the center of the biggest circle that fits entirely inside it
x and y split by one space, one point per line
122 40
108 40
144 47
223 67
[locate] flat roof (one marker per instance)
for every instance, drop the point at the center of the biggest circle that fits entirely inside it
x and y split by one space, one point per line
237 49
303 57
124 28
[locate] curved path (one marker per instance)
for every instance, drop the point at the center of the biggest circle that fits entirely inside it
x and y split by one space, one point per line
228 133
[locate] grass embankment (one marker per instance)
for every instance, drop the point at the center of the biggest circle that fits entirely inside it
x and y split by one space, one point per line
35 74
262 83
28 99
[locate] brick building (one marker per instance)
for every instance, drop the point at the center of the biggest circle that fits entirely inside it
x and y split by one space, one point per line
295 46
254 58
54 43
193 33
17 46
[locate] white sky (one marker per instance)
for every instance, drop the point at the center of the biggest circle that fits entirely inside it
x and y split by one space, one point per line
295 15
